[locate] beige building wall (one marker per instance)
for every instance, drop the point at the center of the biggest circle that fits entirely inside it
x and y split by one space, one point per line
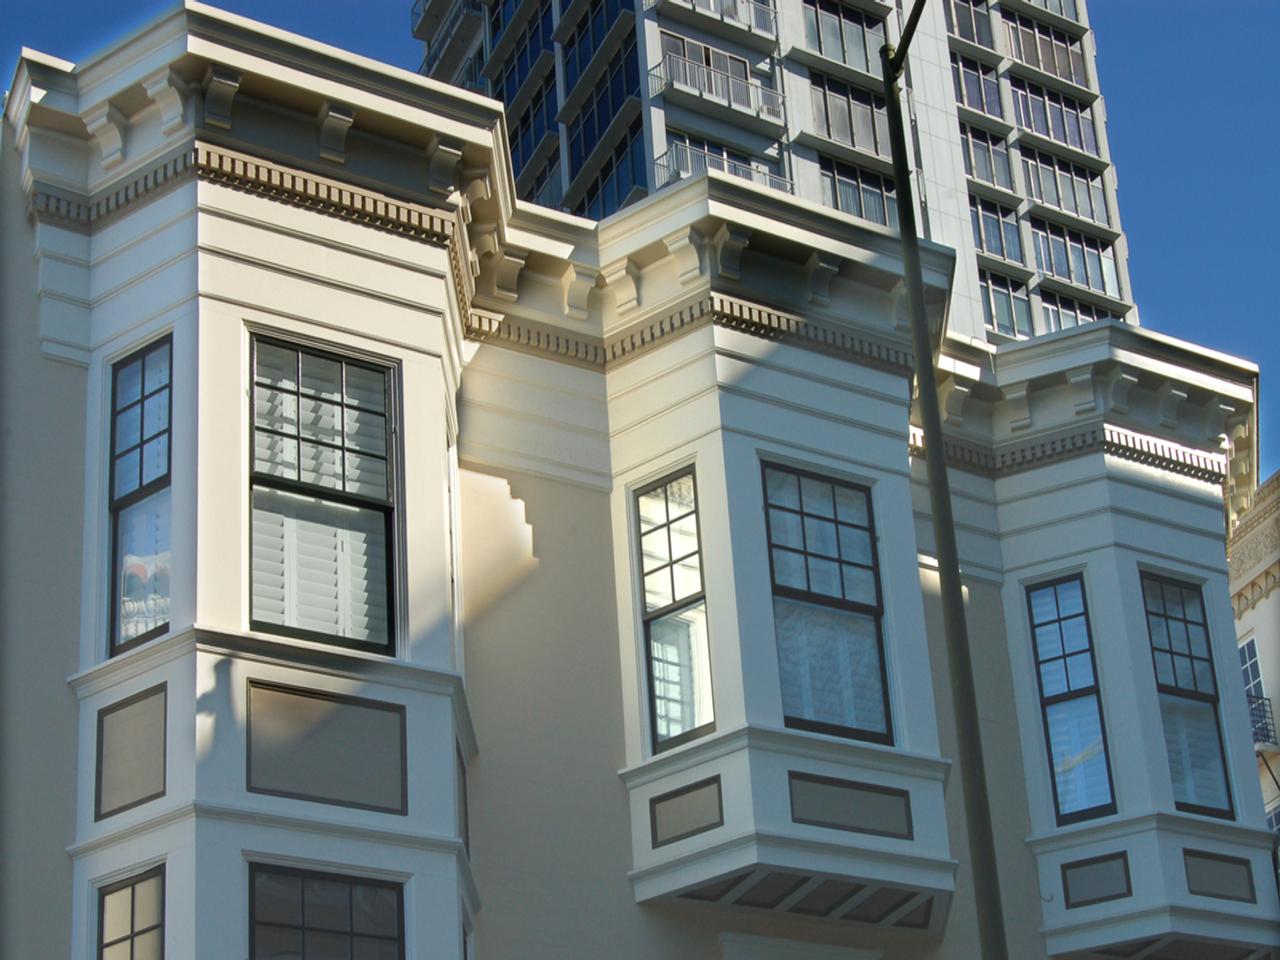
42 468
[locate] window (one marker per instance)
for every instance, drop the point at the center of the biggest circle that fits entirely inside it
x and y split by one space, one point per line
1067 186
535 39
985 157
1044 48
1188 693
850 115
1069 703
1063 312
322 497
621 173
305 915
1051 115
995 229
1273 818
1249 669
1005 305
859 192
976 85
584 131
969 19
131 918
842 33
587 38
537 120
827 605
1063 8
545 187
675 611
141 406
1073 256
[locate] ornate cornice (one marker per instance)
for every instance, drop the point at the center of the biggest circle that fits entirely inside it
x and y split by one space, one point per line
48 205
1010 458
730 312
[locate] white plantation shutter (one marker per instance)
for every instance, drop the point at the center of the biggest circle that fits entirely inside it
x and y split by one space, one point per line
319 566
1195 755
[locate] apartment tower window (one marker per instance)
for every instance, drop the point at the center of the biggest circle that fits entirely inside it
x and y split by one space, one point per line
675 611
827 605
322 497
141 406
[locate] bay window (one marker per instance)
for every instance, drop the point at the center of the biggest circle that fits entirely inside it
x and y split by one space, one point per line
322 502
827 605
302 913
1070 705
141 405
675 611
1188 691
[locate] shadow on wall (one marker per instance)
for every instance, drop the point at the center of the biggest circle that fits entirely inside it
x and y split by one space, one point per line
497 552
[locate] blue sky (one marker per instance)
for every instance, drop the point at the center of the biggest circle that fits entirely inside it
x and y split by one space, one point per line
1196 226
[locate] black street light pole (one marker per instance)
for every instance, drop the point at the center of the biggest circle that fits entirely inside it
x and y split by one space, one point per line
982 851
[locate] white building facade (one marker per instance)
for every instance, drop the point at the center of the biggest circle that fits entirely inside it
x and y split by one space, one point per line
456 577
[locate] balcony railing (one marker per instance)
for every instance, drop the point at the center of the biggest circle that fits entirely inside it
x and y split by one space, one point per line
686 161
742 94
1261 719
439 44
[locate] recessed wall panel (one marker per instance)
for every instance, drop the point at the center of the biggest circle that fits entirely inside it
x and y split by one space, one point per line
1214 875
849 805
317 746
685 812
131 762
1096 880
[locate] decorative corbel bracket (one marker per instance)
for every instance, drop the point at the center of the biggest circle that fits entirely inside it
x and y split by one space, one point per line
442 168
685 247
1016 397
819 270
168 91
1218 413
729 242
623 278
220 88
107 125
1117 386
506 275
1169 399
954 393
578 283
1080 380
335 121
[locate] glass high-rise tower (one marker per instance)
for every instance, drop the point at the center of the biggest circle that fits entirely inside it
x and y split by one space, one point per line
609 100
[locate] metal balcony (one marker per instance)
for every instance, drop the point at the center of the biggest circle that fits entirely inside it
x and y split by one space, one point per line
683 160
736 99
449 42
1263 721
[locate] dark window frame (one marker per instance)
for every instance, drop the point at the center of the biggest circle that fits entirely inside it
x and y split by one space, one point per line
390 507
805 596
117 505
132 881
387 706
649 616
256 868
163 690
1094 690
1163 689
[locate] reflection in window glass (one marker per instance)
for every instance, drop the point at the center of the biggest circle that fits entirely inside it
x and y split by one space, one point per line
1069 700
675 611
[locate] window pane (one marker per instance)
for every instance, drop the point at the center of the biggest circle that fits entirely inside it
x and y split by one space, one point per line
681 672
142 557
829 661
320 566
1078 755
1195 754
